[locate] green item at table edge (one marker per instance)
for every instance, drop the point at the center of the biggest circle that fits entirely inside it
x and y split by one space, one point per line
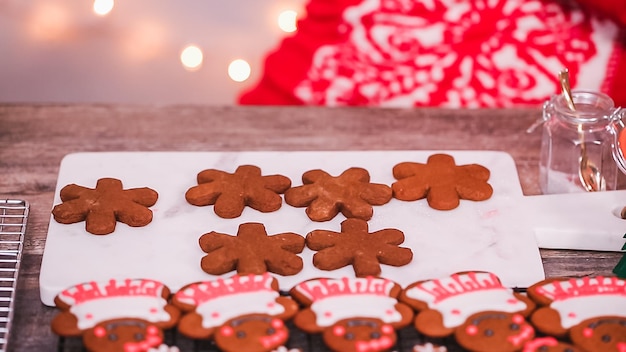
620 268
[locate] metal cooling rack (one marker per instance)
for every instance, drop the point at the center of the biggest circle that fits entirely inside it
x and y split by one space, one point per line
13 218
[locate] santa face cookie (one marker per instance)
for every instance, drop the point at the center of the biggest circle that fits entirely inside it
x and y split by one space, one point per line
446 303
570 302
116 315
239 313
494 331
354 314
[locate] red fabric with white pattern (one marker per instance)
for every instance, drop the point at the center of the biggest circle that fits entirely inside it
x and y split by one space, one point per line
449 53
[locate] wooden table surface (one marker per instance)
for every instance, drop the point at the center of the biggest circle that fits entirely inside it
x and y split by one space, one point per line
34 139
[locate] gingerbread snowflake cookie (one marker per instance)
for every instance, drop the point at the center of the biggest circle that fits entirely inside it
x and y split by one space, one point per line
441 182
230 193
350 193
116 315
101 208
353 314
252 251
356 246
240 313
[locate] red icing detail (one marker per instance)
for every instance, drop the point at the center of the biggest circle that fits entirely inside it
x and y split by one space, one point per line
524 335
535 344
455 312
226 331
387 329
215 315
571 315
471 330
588 332
277 323
199 293
141 346
339 330
113 288
328 314
154 310
152 330
518 319
88 316
99 332
586 286
621 346
323 288
462 283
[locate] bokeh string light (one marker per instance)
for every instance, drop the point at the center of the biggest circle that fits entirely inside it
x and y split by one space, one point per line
103 7
74 36
191 57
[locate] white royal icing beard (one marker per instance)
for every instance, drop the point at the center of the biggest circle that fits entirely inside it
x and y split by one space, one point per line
217 311
574 310
455 310
90 313
330 310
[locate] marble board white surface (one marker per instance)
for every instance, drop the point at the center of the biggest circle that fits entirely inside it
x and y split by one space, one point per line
488 235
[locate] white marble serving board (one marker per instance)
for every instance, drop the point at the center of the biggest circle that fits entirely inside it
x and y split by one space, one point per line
488 235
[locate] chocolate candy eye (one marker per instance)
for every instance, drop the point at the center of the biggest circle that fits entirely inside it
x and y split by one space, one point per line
349 336
138 336
514 326
542 349
241 334
112 337
271 331
488 333
606 338
375 335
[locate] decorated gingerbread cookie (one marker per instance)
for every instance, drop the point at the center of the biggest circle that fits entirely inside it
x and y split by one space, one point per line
230 193
350 194
356 246
353 314
252 251
441 182
443 305
240 313
590 310
102 207
116 315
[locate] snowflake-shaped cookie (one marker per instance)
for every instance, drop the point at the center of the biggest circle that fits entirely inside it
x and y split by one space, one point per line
355 246
231 192
252 251
441 182
350 193
103 206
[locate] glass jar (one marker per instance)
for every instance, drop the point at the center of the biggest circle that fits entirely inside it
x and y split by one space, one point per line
579 148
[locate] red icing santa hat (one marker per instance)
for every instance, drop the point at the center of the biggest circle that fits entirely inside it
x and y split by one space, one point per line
579 299
219 300
95 302
336 299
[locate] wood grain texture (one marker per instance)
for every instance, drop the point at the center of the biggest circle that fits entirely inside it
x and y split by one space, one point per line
34 139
